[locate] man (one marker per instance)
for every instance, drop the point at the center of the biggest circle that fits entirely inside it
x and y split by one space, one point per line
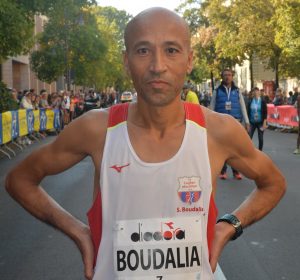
156 166
190 96
295 95
227 99
44 100
297 105
278 99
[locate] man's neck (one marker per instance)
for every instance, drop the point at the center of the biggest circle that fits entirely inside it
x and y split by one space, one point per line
157 118
228 85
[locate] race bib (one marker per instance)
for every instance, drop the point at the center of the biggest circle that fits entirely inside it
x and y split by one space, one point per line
228 105
164 249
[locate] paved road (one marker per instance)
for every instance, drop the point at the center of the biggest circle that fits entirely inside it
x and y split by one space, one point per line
269 250
30 250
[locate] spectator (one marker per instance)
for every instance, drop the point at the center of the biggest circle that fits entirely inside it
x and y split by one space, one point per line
26 101
66 107
290 98
206 99
278 99
227 99
246 96
14 95
257 113
72 106
265 96
35 100
44 99
295 95
20 96
297 105
189 95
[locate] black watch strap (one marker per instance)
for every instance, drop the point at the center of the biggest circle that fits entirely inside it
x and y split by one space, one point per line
233 220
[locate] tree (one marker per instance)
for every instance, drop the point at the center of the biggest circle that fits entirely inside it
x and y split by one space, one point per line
111 24
287 35
7 103
269 29
70 42
16 29
209 61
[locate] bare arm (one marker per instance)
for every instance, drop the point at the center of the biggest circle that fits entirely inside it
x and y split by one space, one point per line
73 144
240 153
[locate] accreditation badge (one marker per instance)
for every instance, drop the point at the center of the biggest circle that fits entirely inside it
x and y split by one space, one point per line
256 117
228 105
164 249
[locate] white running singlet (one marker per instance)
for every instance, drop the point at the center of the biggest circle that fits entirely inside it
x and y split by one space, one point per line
154 220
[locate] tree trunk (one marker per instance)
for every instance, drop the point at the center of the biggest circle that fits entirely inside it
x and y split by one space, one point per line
276 75
251 72
212 80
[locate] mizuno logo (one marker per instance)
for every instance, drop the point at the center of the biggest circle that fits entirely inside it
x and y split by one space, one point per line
119 168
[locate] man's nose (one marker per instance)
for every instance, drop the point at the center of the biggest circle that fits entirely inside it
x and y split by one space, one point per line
158 63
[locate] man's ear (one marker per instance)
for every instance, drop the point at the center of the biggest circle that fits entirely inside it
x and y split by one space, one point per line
125 62
190 62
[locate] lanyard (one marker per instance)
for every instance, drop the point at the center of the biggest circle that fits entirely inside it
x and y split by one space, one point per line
228 91
256 102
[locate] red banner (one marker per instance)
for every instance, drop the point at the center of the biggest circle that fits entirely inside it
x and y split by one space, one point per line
282 116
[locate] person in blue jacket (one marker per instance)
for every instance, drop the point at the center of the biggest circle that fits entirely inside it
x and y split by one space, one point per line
227 99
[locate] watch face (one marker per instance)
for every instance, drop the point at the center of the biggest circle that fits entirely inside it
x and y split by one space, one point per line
236 224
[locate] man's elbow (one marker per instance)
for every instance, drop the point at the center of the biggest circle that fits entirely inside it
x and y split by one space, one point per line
9 182
282 185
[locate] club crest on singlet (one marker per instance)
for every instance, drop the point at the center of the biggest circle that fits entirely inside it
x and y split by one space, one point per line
189 190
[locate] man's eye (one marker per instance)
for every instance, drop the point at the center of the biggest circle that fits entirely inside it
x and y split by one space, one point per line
172 50
143 51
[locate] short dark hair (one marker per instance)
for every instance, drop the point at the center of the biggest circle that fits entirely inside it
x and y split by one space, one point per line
227 70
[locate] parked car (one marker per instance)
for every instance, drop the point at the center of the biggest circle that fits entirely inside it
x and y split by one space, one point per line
126 97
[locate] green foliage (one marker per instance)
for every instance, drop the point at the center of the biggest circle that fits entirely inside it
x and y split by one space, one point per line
228 32
7 103
85 40
287 36
110 72
71 42
16 29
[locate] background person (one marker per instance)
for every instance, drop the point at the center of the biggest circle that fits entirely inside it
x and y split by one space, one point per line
189 95
297 105
227 99
257 112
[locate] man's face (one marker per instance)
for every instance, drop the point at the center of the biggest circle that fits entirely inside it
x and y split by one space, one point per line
158 57
227 77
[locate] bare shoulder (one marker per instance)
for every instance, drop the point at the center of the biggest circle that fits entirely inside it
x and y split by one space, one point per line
83 137
223 128
227 138
85 133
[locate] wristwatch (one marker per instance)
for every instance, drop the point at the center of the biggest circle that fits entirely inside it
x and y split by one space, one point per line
233 220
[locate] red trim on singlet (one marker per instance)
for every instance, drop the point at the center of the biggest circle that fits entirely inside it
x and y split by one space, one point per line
212 218
95 222
194 113
117 114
